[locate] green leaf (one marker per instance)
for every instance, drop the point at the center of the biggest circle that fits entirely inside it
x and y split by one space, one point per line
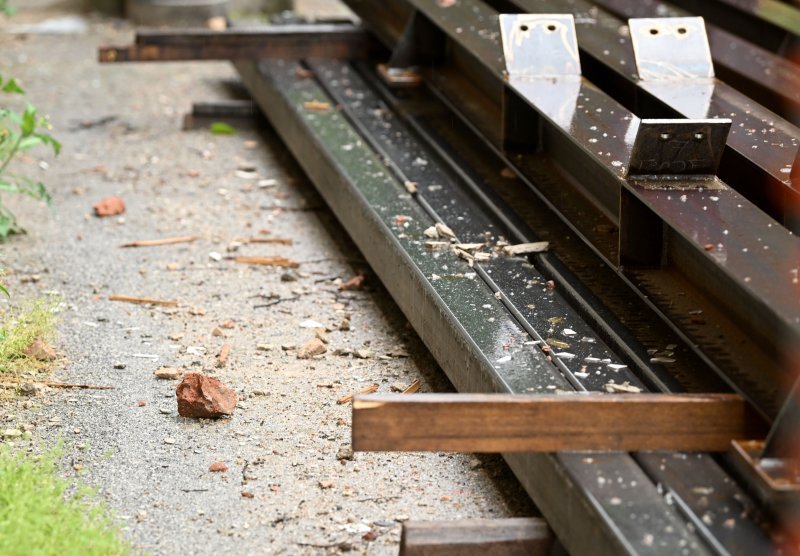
5 291
28 123
11 86
221 128
30 142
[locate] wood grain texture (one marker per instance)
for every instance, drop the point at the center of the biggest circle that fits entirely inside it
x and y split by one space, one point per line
477 537
551 423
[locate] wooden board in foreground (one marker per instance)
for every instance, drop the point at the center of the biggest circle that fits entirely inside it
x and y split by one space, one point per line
551 423
477 537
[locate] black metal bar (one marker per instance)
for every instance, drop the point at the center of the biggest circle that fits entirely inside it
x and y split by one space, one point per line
341 41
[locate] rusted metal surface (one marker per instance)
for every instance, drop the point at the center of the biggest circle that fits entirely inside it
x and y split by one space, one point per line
274 42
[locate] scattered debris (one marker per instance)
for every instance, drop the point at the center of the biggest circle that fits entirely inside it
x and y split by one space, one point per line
317 105
247 494
204 397
143 300
271 240
197 311
436 245
168 373
217 332
222 356
40 350
264 347
624 388
344 326
308 323
413 387
345 453
268 261
444 231
411 187
218 467
157 242
110 206
354 283
311 348
526 248
325 484
363 353
349 397
431 233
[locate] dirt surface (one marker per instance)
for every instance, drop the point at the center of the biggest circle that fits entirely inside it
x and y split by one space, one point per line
289 487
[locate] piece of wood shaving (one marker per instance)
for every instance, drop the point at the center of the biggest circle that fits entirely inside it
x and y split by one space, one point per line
526 248
143 300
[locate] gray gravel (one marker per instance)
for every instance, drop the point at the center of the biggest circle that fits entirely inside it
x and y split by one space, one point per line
281 445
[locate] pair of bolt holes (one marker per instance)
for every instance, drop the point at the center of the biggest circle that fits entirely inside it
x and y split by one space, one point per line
550 28
667 136
681 31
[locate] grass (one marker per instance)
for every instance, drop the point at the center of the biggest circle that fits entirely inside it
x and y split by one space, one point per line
42 514
19 327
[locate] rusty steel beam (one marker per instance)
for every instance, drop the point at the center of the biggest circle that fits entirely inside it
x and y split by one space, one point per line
339 41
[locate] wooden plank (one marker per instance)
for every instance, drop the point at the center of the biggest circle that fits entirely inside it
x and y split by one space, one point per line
551 423
477 537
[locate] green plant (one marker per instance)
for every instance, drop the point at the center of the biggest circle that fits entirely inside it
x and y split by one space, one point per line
20 132
42 513
5 8
20 327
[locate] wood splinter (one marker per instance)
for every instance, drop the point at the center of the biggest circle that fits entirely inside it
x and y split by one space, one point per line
349 397
269 261
143 300
157 242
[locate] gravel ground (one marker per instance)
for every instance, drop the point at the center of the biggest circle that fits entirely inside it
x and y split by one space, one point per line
121 129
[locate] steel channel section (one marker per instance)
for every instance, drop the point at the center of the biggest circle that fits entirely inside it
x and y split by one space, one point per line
765 77
591 145
762 174
448 313
446 201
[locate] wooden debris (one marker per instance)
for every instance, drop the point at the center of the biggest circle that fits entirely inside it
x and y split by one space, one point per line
349 397
52 384
413 388
526 248
269 261
354 283
317 105
551 423
411 187
477 537
222 356
624 388
143 300
164 241
272 240
444 231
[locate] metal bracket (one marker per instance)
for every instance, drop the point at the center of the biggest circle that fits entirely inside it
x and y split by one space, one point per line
678 148
671 48
542 45
420 41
